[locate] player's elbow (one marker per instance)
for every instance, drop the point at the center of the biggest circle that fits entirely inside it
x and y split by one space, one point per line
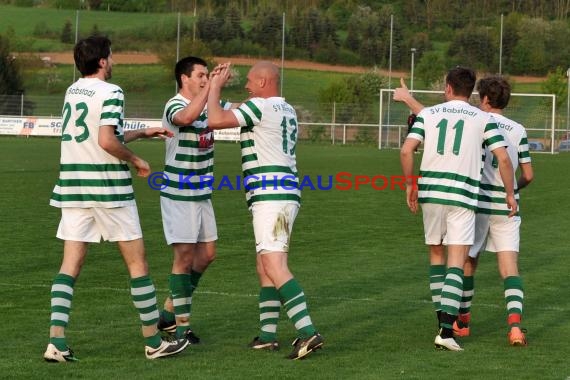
405 153
220 122
408 148
105 144
527 177
214 123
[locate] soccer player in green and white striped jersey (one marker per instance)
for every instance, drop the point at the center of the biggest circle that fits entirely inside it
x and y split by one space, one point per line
96 197
268 139
454 134
185 200
495 231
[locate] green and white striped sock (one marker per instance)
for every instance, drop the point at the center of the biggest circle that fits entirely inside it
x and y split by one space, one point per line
436 277
451 293
269 308
143 295
61 298
514 296
293 300
467 295
181 292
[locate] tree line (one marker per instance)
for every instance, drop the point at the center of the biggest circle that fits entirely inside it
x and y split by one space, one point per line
441 33
377 33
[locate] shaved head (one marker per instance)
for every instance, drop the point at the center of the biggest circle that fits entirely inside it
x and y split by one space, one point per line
266 70
263 79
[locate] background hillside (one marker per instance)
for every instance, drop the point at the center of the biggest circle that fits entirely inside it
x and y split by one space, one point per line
357 43
442 32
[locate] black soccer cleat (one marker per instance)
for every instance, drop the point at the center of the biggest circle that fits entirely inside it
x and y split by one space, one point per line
258 344
191 337
166 348
303 347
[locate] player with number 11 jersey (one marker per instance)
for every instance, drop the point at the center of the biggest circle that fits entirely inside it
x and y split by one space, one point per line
453 178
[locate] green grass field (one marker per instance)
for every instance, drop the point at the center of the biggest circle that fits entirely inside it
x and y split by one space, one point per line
148 87
25 22
358 254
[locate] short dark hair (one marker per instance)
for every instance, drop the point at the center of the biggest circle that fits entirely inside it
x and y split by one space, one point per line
496 89
88 51
186 66
462 80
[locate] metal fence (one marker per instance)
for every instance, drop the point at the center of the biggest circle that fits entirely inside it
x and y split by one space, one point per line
381 124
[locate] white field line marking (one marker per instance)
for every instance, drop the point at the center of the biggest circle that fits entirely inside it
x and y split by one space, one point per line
244 295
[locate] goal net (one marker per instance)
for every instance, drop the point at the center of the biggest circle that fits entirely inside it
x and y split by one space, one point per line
536 112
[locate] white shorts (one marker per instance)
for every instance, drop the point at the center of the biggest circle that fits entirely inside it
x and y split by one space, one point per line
272 225
449 225
495 233
188 222
91 224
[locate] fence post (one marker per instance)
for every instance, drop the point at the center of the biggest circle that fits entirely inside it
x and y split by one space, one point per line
22 104
333 121
343 134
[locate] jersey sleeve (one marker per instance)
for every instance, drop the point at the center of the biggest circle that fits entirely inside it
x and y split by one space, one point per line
225 105
493 138
173 107
523 150
112 109
417 131
249 113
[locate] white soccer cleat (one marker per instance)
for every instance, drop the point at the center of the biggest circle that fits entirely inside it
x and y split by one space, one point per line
447 344
54 355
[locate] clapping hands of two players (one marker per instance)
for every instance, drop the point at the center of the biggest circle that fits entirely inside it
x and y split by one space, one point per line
221 74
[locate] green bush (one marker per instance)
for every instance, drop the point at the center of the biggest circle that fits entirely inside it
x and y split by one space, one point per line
41 30
347 57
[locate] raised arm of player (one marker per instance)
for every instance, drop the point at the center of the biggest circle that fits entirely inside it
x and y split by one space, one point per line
402 94
218 118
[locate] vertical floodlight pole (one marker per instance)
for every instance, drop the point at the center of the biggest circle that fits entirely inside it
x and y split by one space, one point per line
178 38
501 48
194 23
282 53
568 105
389 88
178 48
413 50
76 36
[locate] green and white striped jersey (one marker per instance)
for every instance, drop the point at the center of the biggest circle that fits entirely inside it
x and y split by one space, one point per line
492 194
189 161
268 138
89 176
454 135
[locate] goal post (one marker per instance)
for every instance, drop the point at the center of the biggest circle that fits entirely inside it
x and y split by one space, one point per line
536 112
